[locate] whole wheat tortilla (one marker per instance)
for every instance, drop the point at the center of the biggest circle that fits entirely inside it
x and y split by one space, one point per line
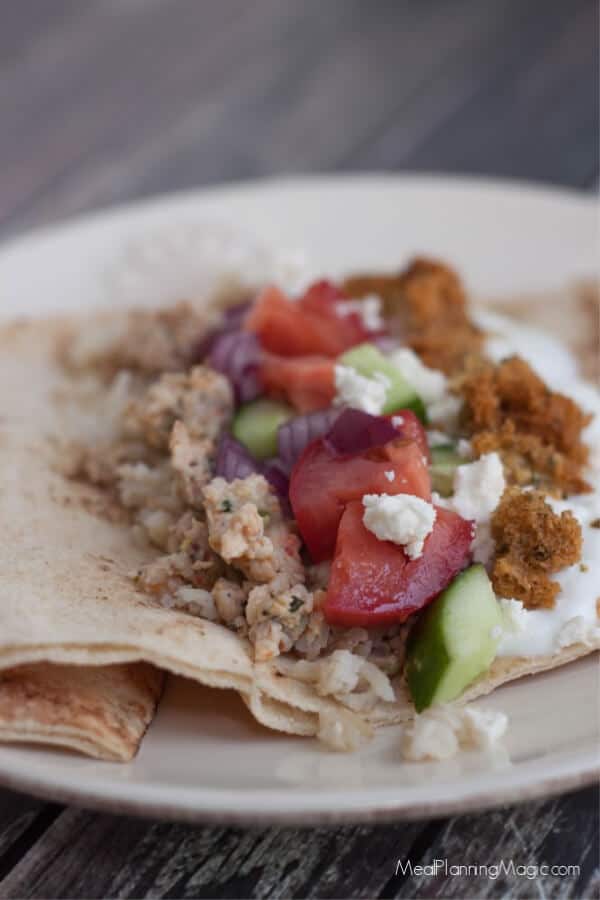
102 711
65 594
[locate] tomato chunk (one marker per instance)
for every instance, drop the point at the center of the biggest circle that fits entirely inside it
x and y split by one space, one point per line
374 582
321 297
322 483
306 382
411 429
306 327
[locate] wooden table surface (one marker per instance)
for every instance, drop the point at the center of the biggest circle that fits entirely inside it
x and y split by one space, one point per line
103 101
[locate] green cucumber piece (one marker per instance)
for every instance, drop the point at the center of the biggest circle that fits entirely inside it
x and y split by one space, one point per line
455 641
367 359
445 454
444 461
255 426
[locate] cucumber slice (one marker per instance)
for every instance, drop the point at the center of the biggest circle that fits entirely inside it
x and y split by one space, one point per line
445 454
455 641
255 426
367 360
444 461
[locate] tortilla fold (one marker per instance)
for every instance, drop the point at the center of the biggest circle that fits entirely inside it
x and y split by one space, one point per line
102 711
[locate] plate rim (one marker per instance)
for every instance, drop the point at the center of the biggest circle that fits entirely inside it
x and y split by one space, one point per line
110 796
374 813
60 227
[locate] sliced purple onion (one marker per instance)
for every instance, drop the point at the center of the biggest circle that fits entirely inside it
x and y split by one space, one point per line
275 474
385 342
297 433
355 431
234 461
233 318
236 354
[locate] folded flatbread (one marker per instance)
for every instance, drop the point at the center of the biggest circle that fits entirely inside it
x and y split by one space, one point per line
102 711
66 598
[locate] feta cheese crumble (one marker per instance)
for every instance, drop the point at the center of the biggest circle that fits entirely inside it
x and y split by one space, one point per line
430 384
442 731
397 421
368 308
403 519
478 487
360 392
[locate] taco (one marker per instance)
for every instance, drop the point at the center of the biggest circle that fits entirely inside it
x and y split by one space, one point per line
346 506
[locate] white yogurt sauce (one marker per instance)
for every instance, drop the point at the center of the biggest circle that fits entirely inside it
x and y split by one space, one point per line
545 631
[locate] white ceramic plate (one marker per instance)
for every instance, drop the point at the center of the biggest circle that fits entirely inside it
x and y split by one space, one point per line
204 758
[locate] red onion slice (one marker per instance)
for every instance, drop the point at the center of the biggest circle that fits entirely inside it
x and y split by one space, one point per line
234 461
355 431
385 342
293 436
232 320
236 354
274 472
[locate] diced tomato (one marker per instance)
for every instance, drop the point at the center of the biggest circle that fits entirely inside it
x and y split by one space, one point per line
299 328
322 484
374 582
321 296
306 382
411 429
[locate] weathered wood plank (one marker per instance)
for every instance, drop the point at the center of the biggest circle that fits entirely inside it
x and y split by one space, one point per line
96 74
137 859
399 69
23 821
561 832
529 107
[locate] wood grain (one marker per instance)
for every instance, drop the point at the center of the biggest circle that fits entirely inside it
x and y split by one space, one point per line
103 101
132 858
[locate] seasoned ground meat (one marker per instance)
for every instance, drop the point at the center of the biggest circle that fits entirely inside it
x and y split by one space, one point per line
201 398
189 562
230 601
247 529
277 614
532 542
193 460
146 341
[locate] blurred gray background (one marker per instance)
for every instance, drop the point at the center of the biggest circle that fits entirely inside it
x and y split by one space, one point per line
105 101
102 101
